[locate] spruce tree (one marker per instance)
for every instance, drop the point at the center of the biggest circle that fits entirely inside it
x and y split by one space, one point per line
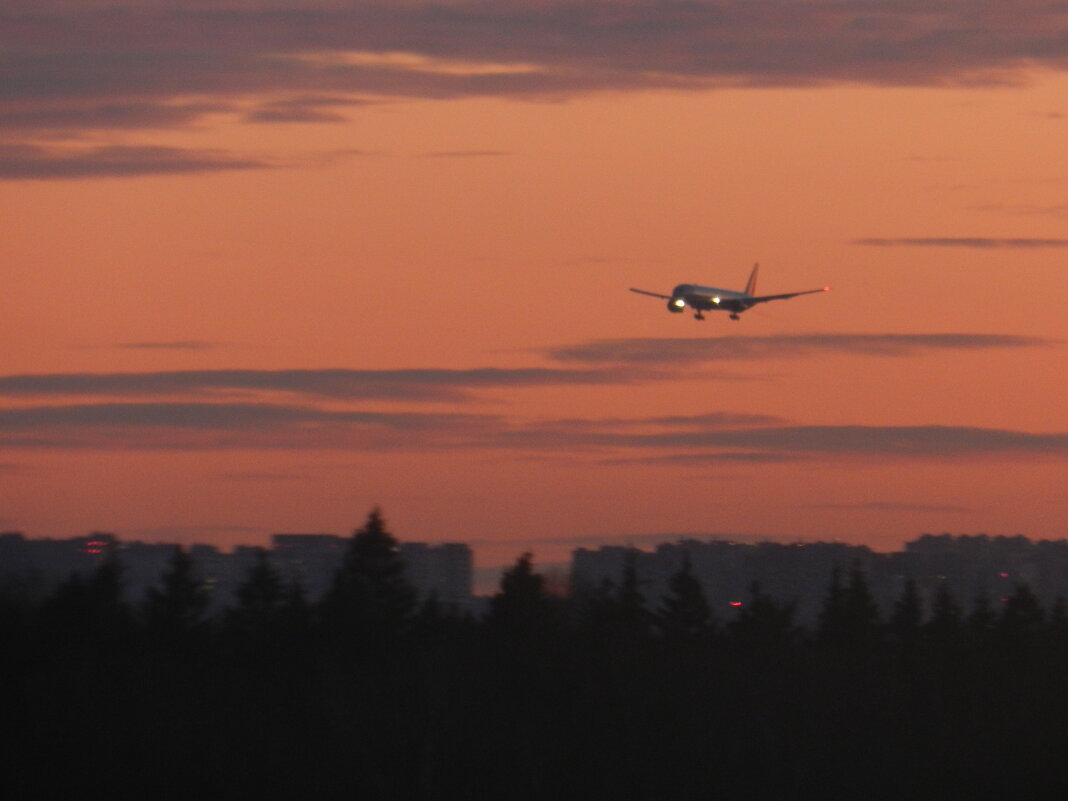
634 617
616 611
850 615
370 602
945 624
521 607
89 608
176 608
1022 618
684 614
981 620
260 597
763 622
907 617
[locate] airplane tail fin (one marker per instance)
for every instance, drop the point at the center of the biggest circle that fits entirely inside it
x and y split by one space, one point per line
750 288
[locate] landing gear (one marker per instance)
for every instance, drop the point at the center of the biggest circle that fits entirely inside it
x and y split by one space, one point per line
735 317
698 316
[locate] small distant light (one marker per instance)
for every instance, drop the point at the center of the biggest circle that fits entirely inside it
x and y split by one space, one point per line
826 289
1003 575
736 603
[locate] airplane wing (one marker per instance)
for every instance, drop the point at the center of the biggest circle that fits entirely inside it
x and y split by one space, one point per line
765 298
651 294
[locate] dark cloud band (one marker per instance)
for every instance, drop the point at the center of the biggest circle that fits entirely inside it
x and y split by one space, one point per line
677 351
703 439
404 384
38 163
78 65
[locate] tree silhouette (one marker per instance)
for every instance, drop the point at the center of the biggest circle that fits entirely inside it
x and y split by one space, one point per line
521 608
763 622
261 599
1057 625
261 593
634 617
907 615
850 615
176 609
684 614
945 626
370 602
981 621
1022 618
89 610
616 612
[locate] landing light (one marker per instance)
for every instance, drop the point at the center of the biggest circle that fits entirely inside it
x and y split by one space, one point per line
678 302
715 300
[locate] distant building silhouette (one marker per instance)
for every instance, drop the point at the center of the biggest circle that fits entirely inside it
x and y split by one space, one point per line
798 573
308 559
443 571
31 568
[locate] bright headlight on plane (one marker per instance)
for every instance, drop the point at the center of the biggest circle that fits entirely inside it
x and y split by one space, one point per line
678 303
715 300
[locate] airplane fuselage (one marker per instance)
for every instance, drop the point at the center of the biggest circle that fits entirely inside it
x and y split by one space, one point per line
708 298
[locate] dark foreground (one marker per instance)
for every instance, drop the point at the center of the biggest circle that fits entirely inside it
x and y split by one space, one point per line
370 696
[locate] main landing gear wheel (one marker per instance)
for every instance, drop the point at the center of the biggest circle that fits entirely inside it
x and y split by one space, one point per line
698 316
735 317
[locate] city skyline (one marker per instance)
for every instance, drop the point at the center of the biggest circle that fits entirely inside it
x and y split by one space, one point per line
270 264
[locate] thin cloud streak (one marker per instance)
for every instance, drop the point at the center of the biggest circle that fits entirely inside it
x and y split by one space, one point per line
208 416
30 162
891 506
465 154
677 351
106 116
403 384
812 441
977 243
179 344
722 458
230 426
303 110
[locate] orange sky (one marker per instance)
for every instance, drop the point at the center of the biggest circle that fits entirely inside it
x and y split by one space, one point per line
263 271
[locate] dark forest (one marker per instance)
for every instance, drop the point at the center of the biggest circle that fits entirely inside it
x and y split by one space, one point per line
369 694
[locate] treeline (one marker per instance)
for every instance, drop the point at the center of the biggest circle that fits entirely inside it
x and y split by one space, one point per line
372 694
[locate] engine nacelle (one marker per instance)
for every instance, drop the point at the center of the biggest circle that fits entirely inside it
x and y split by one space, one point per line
676 306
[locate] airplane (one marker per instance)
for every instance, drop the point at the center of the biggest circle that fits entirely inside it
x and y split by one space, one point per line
707 298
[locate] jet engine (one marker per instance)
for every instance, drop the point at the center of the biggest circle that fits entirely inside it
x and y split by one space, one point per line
676 305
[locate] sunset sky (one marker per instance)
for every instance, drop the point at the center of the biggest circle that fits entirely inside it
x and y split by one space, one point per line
268 264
